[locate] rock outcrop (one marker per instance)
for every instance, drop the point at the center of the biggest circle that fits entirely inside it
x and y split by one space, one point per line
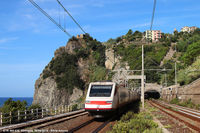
47 93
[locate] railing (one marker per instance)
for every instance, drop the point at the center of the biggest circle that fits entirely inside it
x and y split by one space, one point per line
25 115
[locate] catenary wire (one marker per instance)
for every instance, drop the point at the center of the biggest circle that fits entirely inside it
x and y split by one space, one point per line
49 17
152 18
71 16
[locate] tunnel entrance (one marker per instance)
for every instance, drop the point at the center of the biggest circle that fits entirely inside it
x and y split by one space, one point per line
152 94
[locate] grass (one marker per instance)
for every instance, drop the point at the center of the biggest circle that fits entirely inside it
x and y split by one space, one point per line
188 103
136 123
167 126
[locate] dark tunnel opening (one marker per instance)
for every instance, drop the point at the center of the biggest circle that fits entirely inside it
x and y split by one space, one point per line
152 94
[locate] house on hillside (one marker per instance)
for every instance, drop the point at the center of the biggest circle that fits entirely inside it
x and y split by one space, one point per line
153 35
80 36
188 29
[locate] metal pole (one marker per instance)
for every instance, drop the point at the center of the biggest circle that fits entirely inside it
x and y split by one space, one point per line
42 113
176 76
165 80
47 112
18 113
142 81
25 114
1 115
10 117
32 113
37 112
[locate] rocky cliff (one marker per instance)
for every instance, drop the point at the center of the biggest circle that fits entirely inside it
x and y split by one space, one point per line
47 93
66 76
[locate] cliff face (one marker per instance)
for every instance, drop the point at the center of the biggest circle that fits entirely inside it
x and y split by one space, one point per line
47 93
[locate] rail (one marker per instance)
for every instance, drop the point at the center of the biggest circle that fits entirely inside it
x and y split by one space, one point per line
19 116
34 125
189 117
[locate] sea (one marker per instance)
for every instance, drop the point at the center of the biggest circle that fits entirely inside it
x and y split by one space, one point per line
29 100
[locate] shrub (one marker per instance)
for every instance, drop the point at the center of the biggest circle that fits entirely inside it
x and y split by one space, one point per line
135 123
175 101
191 53
74 107
73 38
127 116
12 106
153 130
67 76
46 73
34 106
98 73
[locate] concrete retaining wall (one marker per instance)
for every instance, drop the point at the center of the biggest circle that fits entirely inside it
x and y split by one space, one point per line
191 91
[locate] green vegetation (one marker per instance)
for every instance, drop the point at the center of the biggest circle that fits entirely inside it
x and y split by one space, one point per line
153 56
193 51
188 51
188 48
74 107
13 106
130 36
10 105
136 123
187 103
189 74
98 73
64 68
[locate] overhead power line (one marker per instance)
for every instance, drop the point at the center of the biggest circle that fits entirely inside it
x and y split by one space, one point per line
49 17
71 16
152 18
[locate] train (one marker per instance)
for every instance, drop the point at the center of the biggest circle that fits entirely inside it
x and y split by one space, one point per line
106 97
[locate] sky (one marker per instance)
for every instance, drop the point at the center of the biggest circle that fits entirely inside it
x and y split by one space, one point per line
28 39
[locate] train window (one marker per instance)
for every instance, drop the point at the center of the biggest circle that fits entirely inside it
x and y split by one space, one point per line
100 90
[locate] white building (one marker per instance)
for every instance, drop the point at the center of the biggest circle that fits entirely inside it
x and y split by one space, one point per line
153 35
188 29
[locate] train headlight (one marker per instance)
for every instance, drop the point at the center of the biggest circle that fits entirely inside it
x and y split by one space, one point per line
108 101
87 101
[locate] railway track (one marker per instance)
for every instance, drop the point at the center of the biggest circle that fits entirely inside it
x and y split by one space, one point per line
189 117
91 126
41 123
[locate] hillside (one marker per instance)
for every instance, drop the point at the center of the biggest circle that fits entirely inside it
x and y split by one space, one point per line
83 60
159 55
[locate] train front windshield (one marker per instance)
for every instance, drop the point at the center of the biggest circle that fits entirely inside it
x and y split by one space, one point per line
100 90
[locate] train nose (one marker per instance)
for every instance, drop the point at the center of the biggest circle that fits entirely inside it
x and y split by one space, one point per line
98 105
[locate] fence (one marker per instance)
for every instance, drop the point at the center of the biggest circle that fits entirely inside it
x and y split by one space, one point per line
25 115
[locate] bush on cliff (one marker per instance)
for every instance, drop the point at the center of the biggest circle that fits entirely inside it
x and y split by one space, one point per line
98 74
65 67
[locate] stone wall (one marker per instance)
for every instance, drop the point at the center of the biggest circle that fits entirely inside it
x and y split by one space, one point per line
191 91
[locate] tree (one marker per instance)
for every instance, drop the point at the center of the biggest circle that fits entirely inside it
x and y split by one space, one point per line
191 53
137 35
129 36
12 106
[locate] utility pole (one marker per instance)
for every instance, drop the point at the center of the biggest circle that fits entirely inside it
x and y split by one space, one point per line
176 75
142 82
165 80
